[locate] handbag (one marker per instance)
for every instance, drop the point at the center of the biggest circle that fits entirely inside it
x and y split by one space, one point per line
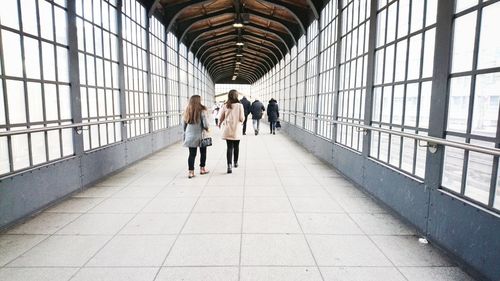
278 125
205 140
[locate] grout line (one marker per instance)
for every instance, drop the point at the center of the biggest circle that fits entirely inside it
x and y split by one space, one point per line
243 207
295 214
124 225
209 175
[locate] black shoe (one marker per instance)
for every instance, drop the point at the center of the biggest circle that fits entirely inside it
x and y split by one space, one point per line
235 165
229 169
244 133
256 132
274 133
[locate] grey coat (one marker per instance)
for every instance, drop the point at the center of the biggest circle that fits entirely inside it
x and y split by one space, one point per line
192 132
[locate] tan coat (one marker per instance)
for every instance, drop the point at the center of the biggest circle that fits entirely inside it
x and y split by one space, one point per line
232 119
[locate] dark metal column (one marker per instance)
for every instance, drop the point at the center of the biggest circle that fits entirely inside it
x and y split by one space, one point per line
370 76
121 69
438 110
74 77
148 75
318 68
338 51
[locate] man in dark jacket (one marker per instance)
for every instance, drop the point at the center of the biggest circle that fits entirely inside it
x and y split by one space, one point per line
257 108
272 115
246 107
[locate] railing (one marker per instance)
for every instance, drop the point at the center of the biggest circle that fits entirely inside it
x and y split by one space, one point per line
79 126
432 142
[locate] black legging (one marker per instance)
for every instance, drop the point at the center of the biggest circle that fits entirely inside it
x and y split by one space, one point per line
192 156
232 145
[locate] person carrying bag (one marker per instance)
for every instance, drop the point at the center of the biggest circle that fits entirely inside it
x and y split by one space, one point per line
232 116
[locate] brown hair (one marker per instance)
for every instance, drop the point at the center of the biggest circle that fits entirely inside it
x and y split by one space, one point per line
232 97
192 114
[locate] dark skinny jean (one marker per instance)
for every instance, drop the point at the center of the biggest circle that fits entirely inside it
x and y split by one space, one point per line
272 126
232 146
192 156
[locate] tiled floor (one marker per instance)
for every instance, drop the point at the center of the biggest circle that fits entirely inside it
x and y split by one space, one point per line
282 215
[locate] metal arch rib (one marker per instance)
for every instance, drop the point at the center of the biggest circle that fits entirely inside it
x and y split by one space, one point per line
257 67
229 69
176 9
299 15
231 56
287 43
224 36
229 49
227 75
292 29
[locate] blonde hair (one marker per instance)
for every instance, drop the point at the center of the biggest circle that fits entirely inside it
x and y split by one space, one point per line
192 114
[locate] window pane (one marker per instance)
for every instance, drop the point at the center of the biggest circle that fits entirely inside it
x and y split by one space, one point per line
20 152
453 166
35 102
46 24
461 5
38 148
49 71
61 29
4 156
15 97
32 56
8 14
489 45
458 104
28 9
51 102
463 43
479 174
12 53
486 105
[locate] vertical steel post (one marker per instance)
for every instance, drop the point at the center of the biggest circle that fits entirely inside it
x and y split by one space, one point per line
370 76
338 51
74 77
121 70
148 75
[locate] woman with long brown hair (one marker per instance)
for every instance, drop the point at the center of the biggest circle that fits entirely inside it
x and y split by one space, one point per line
232 116
195 119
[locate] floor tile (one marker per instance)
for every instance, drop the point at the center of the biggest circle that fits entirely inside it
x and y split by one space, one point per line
267 205
222 191
205 250
270 223
315 205
99 191
328 224
434 273
170 205
60 250
275 249
382 224
280 274
76 205
213 223
125 250
14 245
96 224
342 250
44 223
266 191
360 205
218 205
116 274
407 251
120 205
262 181
183 191
155 224
138 192
38 274
198 274
361 274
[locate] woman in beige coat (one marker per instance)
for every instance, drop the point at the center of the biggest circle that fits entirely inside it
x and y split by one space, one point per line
232 116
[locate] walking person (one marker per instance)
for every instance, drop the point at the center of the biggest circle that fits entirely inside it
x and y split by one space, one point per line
232 115
272 115
246 107
257 108
195 119
215 113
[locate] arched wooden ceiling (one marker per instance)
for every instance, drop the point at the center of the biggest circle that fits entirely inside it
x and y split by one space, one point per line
270 29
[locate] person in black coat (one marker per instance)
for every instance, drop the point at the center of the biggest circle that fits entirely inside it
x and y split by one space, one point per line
246 108
272 115
257 108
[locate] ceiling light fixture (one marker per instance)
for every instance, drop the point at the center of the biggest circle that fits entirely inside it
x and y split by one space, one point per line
234 77
239 43
237 24
238 62
239 55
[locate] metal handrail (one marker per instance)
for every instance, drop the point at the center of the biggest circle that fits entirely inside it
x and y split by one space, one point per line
81 125
431 141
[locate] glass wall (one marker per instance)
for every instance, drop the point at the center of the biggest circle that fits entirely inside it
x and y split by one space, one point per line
34 83
473 102
99 83
399 85
404 57
35 88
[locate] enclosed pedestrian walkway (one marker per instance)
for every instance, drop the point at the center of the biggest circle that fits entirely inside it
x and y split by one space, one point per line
390 138
282 215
